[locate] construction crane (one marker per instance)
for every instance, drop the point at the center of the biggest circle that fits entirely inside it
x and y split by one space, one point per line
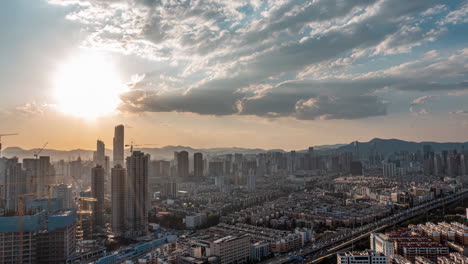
5 135
20 218
40 150
33 179
77 182
131 145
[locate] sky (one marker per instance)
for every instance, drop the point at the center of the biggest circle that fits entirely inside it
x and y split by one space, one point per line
213 73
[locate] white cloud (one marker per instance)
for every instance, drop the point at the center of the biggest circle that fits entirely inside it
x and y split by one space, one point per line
422 99
271 58
457 16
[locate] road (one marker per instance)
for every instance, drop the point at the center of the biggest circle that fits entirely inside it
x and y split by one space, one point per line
324 248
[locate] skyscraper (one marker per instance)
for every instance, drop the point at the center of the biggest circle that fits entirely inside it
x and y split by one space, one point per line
100 155
97 191
198 165
119 200
251 180
119 145
14 178
46 174
183 164
137 194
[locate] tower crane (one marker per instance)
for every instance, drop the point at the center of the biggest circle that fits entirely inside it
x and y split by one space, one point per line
131 145
34 177
5 135
36 154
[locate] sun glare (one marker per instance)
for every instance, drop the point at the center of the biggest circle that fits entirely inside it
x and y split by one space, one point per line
88 86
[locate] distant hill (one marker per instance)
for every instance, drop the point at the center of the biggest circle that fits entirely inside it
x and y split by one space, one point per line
388 146
166 153
383 146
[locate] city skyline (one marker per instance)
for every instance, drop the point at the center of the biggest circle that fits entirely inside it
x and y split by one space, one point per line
280 70
234 132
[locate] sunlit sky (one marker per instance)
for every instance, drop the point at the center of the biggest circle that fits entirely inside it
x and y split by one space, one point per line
269 74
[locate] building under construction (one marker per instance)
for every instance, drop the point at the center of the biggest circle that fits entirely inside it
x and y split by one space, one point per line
46 238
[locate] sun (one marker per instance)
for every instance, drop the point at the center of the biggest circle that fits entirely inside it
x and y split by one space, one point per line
88 86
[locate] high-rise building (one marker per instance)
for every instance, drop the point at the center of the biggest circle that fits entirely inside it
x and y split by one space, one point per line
438 165
169 190
46 174
215 168
32 170
183 164
165 168
64 195
100 155
97 191
137 194
292 163
119 145
452 164
251 181
464 164
219 180
76 169
198 165
14 178
428 161
119 200
389 169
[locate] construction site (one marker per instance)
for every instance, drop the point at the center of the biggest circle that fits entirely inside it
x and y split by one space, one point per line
41 220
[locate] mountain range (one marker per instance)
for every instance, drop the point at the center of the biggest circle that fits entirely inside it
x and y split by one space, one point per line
376 145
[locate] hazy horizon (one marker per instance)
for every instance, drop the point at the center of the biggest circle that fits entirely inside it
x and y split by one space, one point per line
127 147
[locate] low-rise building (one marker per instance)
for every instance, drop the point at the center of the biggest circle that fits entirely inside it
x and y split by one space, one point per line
366 257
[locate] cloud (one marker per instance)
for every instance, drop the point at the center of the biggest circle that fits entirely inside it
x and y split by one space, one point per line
272 58
415 106
422 99
29 109
459 112
347 97
348 107
457 16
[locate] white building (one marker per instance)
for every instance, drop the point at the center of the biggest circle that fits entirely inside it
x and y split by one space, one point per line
194 221
380 243
367 257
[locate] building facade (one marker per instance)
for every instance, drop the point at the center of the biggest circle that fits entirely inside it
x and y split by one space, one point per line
137 194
